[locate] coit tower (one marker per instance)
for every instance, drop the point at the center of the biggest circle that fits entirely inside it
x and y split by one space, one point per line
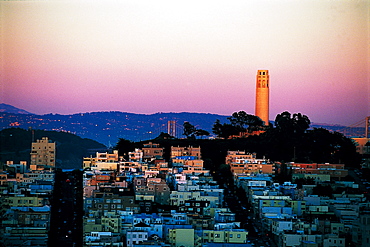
262 96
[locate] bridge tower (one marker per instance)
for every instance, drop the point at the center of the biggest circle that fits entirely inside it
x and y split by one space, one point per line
171 128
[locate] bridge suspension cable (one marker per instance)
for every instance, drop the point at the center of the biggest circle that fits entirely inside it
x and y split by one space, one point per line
356 129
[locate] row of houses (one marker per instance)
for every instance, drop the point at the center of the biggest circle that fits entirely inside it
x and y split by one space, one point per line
295 215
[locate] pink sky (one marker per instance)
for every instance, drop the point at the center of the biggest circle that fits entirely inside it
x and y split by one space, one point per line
197 56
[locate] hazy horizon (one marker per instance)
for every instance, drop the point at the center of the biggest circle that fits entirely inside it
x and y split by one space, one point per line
272 119
145 57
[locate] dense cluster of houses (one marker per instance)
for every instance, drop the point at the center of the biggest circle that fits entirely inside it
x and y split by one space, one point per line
147 201
25 205
294 215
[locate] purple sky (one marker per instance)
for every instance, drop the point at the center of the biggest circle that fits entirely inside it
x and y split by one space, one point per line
197 56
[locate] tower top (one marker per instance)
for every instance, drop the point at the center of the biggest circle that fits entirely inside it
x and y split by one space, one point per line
262 72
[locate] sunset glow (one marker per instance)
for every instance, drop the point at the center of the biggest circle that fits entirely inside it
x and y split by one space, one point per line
198 56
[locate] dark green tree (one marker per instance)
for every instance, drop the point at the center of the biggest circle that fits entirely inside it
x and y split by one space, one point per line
200 132
239 122
124 146
224 130
323 146
245 122
217 128
288 124
189 130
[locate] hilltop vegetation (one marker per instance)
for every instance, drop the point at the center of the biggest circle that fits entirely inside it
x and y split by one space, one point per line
289 139
15 145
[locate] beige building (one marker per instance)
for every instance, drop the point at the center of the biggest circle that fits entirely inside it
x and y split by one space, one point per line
232 156
241 162
42 154
152 150
185 151
106 161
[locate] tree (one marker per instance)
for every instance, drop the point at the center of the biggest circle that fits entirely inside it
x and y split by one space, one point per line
200 132
189 130
288 124
239 122
287 141
224 130
217 128
124 146
244 121
323 146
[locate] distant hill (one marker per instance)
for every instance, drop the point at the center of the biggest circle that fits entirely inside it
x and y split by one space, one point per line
108 127
15 145
11 109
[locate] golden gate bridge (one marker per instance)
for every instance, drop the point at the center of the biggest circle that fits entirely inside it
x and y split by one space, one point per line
358 129
172 127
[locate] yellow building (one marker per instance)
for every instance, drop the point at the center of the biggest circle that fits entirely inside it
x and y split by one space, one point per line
111 223
91 224
102 161
25 201
236 236
181 237
42 154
